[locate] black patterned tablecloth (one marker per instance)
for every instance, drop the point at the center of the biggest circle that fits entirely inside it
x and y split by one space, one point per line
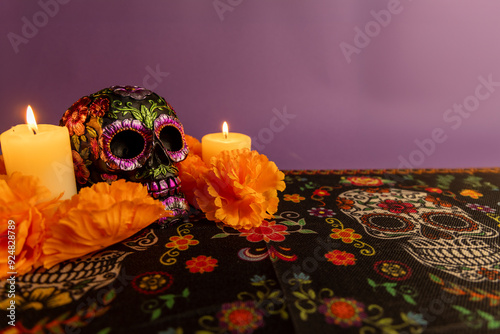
372 251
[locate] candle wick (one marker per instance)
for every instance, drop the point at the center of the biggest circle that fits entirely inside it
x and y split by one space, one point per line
225 135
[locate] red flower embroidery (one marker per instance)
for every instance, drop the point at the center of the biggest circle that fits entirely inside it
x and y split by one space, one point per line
321 192
182 242
267 231
347 235
397 206
201 264
340 258
75 116
434 190
240 317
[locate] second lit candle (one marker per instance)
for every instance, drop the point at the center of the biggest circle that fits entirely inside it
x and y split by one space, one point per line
214 143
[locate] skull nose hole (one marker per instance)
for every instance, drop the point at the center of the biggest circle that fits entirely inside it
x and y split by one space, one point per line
159 157
171 138
127 144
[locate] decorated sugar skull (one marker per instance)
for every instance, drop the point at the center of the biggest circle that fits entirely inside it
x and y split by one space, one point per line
131 133
432 230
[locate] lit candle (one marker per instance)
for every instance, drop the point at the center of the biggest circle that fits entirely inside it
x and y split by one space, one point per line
43 151
214 143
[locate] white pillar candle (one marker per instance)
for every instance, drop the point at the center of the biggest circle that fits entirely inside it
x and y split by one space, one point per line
43 151
214 143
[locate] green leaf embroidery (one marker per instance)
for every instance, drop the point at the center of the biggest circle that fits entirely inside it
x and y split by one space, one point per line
409 299
436 279
461 309
220 235
156 314
305 231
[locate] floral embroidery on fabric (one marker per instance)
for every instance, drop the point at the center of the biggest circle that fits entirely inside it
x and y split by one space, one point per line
296 198
201 264
240 317
365 181
482 208
321 212
269 232
438 201
156 306
434 190
39 298
180 242
393 270
247 314
321 192
407 292
344 203
397 206
345 312
349 236
471 193
341 258
68 319
474 294
152 282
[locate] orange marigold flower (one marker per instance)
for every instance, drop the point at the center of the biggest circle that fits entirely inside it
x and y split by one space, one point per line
193 144
3 171
98 217
201 264
182 242
240 189
191 172
471 193
26 207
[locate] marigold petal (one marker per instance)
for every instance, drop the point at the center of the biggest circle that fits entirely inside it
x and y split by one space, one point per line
123 209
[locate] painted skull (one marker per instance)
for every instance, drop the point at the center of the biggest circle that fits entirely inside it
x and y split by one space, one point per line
131 133
433 231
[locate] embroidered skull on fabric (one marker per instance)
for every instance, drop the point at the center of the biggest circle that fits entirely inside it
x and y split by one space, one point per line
129 132
433 231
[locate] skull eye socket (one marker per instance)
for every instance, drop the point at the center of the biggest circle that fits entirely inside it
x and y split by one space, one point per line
450 221
387 222
171 135
171 138
127 144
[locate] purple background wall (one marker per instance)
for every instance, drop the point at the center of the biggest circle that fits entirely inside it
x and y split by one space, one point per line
297 76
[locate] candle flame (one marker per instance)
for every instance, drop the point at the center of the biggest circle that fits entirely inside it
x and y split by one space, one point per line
225 130
30 118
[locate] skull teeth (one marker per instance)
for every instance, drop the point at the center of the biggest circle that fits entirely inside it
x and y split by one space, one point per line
165 187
